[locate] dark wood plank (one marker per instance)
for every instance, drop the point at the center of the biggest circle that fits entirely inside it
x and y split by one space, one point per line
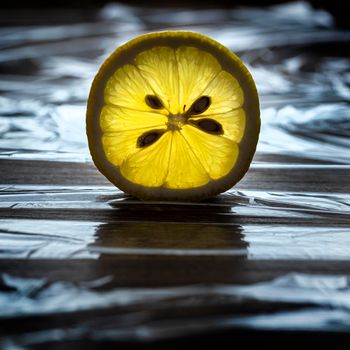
143 216
258 178
154 271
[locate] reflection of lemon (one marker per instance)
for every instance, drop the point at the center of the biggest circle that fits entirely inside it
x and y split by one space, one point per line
173 116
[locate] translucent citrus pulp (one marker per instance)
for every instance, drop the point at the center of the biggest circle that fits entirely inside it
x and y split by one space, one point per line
173 116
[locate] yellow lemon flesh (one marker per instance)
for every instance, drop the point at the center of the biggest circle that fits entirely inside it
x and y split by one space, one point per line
173 116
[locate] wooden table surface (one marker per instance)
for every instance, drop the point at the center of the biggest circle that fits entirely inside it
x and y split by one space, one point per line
159 245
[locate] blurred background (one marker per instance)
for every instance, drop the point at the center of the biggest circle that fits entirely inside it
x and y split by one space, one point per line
297 52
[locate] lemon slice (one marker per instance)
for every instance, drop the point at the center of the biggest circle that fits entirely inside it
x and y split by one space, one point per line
173 116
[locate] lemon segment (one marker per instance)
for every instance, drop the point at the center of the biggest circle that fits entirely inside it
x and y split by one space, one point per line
216 154
127 88
185 169
159 68
197 69
233 123
225 92
149 166
126 141
118 119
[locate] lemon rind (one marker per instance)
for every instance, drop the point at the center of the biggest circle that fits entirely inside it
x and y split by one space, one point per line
229 62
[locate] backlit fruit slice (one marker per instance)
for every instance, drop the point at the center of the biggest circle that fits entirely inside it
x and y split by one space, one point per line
173 116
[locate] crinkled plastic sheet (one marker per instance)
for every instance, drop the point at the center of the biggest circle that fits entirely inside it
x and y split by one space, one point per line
176 235
304 97
321 301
